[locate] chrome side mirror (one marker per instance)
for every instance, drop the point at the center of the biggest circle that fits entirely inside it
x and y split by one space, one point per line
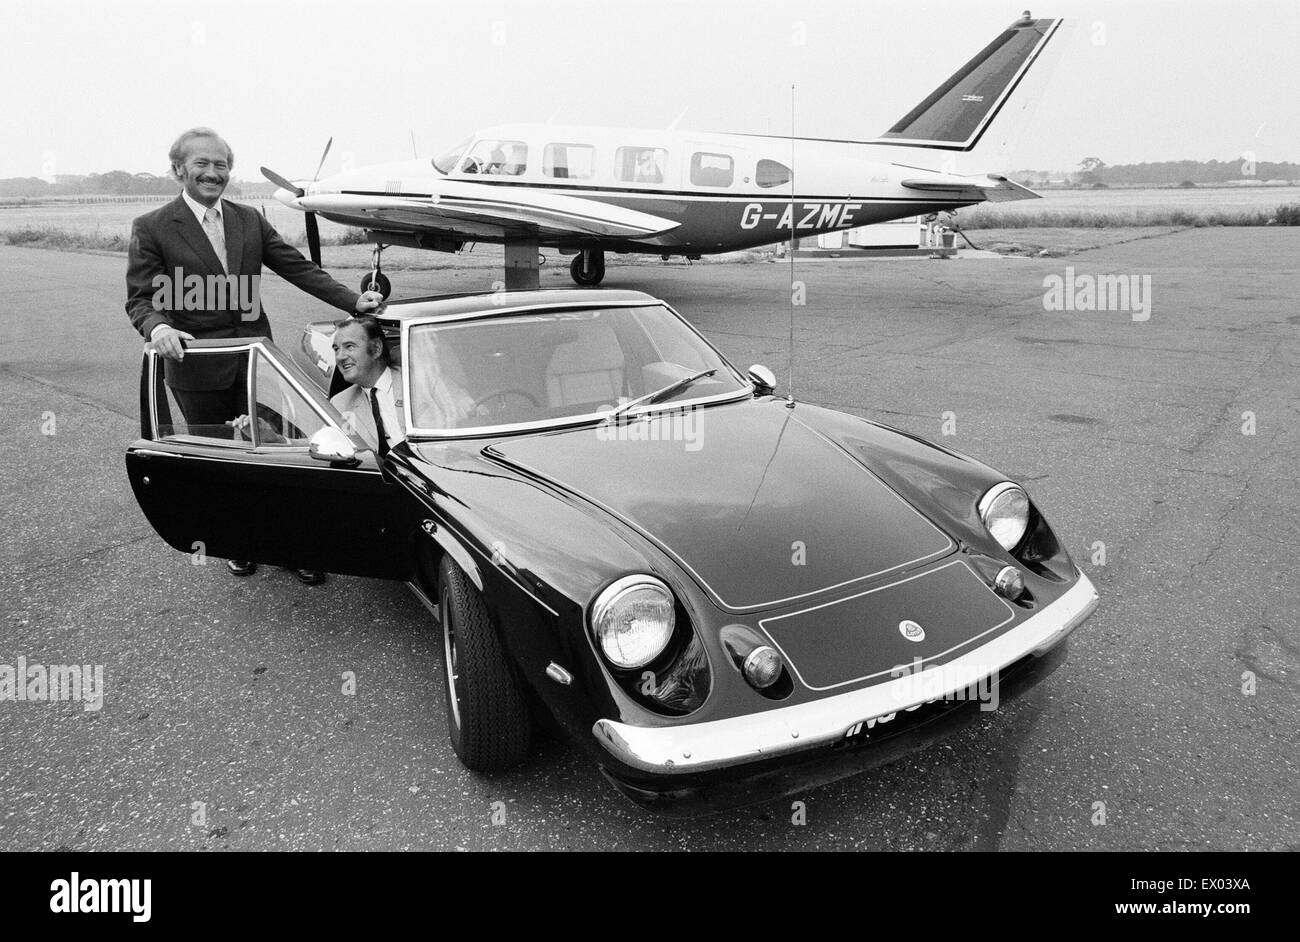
329 444
763 379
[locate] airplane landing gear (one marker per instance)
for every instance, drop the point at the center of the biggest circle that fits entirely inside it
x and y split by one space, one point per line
588 267
376 280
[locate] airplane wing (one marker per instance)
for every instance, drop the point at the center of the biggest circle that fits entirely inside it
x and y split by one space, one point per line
993 188
488 210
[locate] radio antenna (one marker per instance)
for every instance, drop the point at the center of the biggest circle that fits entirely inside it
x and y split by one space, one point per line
790 348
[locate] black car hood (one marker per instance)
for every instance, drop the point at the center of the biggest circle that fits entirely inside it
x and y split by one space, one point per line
758 507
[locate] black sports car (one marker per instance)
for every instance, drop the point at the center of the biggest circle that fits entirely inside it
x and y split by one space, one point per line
722 594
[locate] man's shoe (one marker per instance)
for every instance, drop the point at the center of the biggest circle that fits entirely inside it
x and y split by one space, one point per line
310 576
239 567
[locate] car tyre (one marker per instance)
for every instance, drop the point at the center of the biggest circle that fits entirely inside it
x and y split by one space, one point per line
487 715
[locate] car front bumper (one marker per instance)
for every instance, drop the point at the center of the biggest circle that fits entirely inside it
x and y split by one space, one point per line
668 758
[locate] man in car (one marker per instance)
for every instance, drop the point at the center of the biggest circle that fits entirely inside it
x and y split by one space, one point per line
372 405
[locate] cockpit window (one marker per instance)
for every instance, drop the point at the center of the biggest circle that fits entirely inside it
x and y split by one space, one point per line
444 162
500 158
771 173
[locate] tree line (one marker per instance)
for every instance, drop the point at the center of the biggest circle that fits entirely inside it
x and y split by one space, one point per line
1093 171
113 183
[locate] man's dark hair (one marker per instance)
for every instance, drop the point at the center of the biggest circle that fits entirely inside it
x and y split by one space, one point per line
370 327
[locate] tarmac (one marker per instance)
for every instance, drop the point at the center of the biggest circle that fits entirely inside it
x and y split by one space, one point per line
1164 450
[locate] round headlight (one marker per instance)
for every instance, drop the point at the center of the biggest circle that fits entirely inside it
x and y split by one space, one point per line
632 620
1004 509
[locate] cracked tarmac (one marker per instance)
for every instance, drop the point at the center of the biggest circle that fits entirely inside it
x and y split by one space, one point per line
223 695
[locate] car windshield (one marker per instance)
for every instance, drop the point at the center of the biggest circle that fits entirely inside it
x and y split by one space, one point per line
445 161
545 368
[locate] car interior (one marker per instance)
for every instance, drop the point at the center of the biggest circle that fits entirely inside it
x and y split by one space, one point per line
539 367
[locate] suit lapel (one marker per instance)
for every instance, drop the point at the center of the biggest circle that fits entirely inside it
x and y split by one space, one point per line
234 238
194 235
365 422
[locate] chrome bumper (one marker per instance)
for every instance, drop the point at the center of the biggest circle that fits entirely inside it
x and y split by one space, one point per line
699 747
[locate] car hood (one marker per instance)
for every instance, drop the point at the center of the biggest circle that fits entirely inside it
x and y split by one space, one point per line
758 507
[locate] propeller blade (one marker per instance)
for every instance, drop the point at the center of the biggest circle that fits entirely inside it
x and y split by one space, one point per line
283 183
328 145
313 238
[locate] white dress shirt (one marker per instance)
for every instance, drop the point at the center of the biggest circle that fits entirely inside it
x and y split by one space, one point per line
200 210
388 409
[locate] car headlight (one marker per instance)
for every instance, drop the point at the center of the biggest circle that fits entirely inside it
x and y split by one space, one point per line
1004 509
633 619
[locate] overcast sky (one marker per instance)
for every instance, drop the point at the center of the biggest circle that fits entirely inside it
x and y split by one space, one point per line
91 87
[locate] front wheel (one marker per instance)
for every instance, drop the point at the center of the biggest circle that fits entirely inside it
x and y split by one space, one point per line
590 274
487 715
377 281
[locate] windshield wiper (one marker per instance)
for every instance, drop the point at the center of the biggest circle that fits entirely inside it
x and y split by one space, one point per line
660 393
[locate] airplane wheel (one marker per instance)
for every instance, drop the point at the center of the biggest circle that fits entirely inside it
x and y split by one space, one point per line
590 278
381 284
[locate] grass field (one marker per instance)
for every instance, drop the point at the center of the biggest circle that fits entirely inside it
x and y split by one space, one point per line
1063 221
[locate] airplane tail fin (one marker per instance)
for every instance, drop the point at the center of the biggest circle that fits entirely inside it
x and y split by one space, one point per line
957 113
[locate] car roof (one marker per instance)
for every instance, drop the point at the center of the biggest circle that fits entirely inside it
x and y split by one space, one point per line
487 302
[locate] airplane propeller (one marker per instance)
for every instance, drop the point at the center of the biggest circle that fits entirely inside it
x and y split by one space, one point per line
313 228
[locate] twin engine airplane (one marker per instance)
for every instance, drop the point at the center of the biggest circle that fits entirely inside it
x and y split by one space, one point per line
587 191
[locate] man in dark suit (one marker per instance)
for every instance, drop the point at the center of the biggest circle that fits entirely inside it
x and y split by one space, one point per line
199 234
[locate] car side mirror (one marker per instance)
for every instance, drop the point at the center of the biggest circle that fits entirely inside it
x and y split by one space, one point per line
329 444
763 379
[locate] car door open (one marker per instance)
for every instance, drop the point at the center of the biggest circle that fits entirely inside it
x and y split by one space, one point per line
283 482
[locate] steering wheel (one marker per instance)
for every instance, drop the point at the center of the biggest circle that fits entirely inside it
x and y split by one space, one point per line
472 165
501 395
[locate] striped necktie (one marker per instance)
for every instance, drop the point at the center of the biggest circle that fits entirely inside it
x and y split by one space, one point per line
216 235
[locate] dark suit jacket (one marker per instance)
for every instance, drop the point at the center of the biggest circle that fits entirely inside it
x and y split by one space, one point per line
170 240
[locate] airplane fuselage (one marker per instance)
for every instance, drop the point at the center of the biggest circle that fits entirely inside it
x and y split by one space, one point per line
720 192
591 190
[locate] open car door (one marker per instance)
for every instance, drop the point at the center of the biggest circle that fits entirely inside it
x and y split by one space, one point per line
258 493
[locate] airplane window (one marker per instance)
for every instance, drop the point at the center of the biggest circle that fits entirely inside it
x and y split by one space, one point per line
443 163
569 161
640 164
500 158
771 173
712 169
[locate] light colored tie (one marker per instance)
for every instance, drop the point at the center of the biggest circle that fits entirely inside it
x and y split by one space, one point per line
216 235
